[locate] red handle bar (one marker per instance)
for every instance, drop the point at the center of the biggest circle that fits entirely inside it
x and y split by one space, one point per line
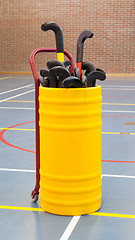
36 78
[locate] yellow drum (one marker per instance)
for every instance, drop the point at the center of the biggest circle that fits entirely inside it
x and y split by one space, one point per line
70 150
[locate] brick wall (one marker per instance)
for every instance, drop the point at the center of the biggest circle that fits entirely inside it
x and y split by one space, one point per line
113 23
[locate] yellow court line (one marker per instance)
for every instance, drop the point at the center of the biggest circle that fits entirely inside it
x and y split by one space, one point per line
5 78
122 133
18 129
101 214
118 104
116 215
110 132
21 208
28 129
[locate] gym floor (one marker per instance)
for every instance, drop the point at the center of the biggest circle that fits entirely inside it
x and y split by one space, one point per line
20 218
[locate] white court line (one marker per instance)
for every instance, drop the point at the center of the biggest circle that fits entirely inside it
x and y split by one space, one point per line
70 228
118 111
117 176
115 86
117 89
16 108
68 231
33 171
19 108
18 95
17 170
15 89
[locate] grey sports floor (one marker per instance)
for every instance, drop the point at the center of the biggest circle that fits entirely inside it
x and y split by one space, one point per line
20 218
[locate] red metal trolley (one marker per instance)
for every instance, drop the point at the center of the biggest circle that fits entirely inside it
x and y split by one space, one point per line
35 192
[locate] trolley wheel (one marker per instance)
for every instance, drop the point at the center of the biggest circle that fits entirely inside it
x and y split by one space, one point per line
35 197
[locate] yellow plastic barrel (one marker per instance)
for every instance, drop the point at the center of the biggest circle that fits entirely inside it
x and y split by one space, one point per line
70 150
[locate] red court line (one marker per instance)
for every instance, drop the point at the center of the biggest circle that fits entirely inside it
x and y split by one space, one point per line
23 149
117 161
11 145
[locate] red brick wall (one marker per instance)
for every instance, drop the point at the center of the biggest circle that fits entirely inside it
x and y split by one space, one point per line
112 47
